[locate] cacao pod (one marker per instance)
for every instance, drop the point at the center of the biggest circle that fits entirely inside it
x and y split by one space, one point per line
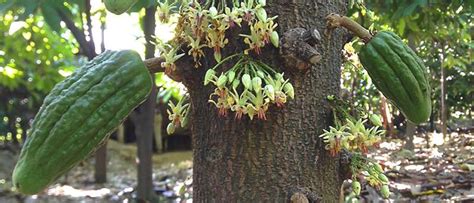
119 6
399 74
78 115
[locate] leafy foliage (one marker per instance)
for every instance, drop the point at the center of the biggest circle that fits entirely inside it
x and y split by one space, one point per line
32 60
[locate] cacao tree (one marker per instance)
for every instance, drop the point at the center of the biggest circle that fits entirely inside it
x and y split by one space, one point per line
281 157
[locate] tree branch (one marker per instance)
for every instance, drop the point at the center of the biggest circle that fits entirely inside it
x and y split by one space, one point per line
78 35
89 24
154 64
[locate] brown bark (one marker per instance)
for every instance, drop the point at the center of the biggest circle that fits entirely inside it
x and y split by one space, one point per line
270 161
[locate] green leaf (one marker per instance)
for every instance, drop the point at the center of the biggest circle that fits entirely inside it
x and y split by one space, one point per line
51 17
5 6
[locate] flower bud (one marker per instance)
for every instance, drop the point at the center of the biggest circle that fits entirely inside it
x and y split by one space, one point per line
260 74
209 75
261 14
235 84
213 11
288 88
247 81
257 83
378 168
221 81
385 191
375 119
275 39
230 76
217 56
170 128
383 178
356 187
270 91
279 77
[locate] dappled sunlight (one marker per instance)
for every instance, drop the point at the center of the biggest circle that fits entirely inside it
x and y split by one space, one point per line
67 190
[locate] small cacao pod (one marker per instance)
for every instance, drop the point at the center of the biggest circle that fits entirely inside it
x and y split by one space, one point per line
119 6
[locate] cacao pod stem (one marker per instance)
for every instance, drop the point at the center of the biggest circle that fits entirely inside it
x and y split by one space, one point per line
335 20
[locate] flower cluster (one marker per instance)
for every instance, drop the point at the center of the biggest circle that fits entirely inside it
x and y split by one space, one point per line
204 26
248 88
178 114
353 136
369 170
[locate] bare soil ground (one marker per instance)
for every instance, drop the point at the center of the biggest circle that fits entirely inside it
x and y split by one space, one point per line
436 171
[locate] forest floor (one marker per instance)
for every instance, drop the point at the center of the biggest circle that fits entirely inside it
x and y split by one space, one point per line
436 171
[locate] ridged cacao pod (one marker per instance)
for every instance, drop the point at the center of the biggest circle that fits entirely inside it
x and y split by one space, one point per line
399 74
119 6
78 115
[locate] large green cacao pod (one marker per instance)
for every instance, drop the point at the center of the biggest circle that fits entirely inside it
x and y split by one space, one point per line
119 6
399 74
78 115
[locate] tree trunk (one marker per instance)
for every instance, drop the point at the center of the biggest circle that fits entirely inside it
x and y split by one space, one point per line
101 153
443 93
144 120
410 127
386 115
100 174
269 161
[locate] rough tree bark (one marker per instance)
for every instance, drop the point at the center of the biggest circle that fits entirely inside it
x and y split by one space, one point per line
272 160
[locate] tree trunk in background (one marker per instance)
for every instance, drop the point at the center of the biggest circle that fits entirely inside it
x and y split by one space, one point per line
158 133
101 153
386 115
268 161
443 93
144 120
410 127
